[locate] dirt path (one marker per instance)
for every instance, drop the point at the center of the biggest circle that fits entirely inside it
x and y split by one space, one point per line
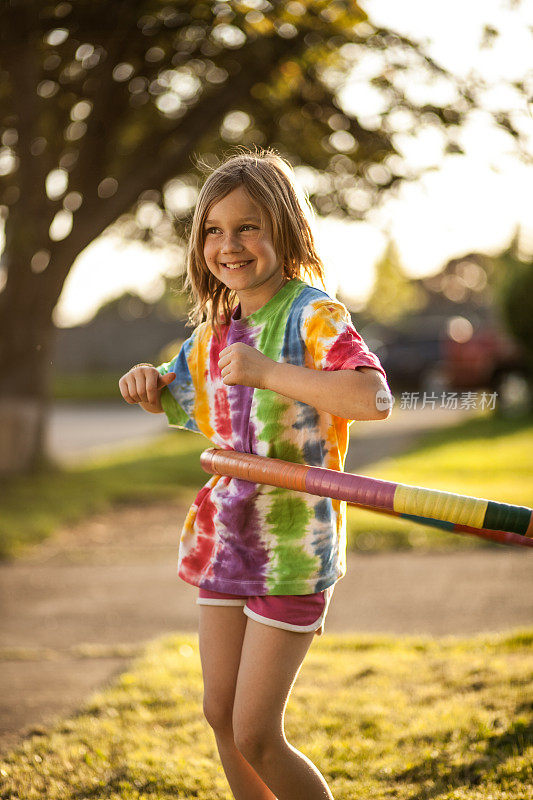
80 606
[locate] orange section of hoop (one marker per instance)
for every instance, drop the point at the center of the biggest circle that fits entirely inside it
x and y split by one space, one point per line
247 467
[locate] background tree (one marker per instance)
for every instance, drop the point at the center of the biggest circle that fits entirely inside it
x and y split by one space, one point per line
105 103
514 287
394 295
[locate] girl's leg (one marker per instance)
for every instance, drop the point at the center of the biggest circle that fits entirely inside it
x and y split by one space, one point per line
221 634
270 661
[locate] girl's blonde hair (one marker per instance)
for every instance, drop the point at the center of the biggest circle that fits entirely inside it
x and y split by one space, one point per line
270 181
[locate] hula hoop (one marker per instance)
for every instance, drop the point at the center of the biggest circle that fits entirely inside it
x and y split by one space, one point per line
500 522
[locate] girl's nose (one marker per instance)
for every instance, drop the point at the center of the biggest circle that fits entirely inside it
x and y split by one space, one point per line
230 243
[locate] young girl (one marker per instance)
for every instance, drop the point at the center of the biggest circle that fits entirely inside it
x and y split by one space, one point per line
281 373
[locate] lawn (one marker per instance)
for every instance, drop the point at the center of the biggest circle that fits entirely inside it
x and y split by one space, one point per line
32 508
484 457
406 718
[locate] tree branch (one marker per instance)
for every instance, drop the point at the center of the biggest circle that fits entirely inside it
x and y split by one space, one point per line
152 167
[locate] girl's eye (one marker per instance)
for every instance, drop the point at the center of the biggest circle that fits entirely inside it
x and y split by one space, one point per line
243 227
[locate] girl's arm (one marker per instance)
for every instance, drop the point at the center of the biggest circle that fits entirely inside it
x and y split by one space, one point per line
359 394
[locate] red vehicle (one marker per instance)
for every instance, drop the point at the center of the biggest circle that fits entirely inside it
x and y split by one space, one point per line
479 359
437 354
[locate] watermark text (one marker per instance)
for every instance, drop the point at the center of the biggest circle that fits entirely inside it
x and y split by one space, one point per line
450 400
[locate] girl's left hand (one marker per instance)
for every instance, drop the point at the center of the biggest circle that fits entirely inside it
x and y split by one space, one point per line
244 365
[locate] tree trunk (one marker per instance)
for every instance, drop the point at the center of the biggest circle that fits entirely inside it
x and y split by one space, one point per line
22 427
26 335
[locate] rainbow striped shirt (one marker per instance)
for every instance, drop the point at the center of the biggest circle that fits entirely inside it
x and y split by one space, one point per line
253 539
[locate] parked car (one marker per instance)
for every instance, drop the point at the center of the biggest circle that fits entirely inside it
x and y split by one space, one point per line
453 353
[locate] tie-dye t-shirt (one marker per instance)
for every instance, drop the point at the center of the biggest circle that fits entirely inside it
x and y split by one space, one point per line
252 539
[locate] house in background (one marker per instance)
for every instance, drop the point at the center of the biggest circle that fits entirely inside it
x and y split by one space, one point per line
125 331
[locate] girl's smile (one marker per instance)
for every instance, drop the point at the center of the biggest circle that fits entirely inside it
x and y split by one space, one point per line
239 251
236 265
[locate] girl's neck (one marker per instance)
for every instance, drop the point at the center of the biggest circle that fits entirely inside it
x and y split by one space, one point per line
249 305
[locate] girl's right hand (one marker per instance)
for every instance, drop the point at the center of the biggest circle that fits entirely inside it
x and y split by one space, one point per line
143 385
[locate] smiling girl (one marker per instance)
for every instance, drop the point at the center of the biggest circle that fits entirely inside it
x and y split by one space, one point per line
275 369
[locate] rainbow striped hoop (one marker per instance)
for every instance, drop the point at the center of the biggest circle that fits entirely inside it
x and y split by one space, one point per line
500 522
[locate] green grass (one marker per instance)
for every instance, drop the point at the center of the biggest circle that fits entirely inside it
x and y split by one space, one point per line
484 457
86 388
33 507
411 719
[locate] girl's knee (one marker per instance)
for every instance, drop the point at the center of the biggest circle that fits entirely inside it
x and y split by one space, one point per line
218 714
256 742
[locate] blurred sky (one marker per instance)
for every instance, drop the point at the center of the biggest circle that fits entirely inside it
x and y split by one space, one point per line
472 202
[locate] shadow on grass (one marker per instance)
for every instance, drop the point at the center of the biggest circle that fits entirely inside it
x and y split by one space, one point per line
498 749
120 780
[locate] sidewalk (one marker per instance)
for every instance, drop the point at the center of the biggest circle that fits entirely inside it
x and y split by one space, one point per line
79 430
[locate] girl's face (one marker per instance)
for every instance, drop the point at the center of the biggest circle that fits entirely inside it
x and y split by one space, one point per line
239 251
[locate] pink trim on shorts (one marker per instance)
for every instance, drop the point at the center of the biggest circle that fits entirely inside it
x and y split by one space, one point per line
300 612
